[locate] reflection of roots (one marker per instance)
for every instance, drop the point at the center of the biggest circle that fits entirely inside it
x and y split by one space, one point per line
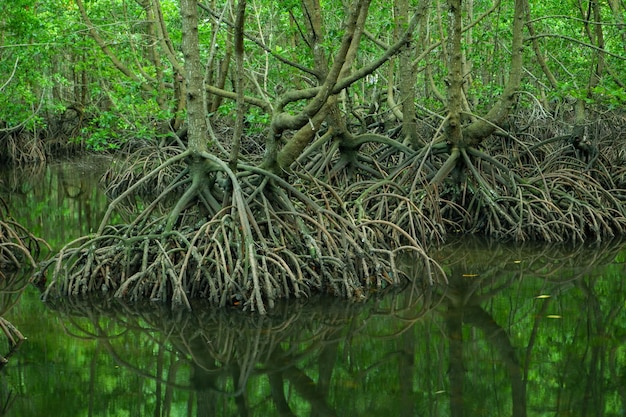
14 337
18 247
492 261
222 345
271 240
11 287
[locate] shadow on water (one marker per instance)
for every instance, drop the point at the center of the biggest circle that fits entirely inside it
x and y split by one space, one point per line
519 330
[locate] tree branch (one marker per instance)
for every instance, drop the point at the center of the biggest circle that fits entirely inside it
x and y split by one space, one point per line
570 39
262 45
108 52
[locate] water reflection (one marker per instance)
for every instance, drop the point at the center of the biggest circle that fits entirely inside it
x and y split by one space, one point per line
59 201
518 331
12 284
546 319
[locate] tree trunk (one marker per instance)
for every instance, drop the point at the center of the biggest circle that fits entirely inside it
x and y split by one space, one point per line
196 111
239 76
308 120
454 131
406 75
481 128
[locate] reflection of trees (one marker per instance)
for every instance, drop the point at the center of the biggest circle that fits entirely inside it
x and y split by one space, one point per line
19 181
293 351
483 345
11 287
592 374
58 201
478 275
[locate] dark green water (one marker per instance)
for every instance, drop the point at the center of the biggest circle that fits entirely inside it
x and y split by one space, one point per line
519 331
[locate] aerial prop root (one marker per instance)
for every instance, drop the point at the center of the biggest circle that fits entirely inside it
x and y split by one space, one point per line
269 244
374 242
556 203
431 271
387 199
331 158
124 173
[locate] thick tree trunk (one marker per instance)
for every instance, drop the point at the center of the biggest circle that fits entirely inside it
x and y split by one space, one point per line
454 131
309 119
406 76
458 136
481 128
196 111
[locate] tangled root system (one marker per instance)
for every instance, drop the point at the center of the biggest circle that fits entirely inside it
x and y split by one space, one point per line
339 225
269 239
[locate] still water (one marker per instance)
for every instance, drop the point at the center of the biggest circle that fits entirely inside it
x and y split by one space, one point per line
519 331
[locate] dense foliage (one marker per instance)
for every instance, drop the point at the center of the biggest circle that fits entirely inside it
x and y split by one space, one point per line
108 75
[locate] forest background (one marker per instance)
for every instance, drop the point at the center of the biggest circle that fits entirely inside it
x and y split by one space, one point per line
324 142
